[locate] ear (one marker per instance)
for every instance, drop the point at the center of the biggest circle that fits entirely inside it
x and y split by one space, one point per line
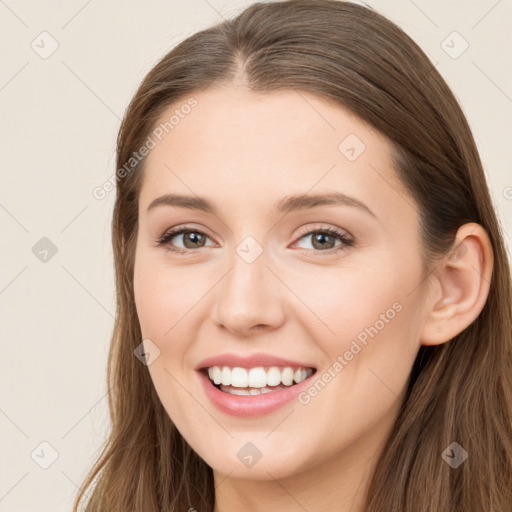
459 286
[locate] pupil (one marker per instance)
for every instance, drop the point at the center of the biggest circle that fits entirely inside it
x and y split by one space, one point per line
193 235
319 237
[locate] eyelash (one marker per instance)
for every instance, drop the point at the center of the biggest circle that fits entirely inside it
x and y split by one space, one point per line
169 235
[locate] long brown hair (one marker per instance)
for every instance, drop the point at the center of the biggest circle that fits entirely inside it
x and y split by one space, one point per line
458 391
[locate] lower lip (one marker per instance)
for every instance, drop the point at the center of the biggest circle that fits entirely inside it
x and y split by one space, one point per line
253 405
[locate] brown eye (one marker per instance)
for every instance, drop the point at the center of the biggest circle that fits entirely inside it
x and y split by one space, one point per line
324 240
190 238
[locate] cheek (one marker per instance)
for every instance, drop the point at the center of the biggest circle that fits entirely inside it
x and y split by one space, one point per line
160 294
161 313
351 300
156 300
368 319
168 301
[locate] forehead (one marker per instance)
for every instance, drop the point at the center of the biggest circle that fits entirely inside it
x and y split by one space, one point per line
252 148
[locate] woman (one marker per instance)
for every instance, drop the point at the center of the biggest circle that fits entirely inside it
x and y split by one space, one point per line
314 298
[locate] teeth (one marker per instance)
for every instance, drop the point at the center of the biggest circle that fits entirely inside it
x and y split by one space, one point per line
239 378
249 391
216 375
287 376
226 376
274 376
258 377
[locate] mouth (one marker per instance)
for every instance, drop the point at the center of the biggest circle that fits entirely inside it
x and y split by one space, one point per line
257 380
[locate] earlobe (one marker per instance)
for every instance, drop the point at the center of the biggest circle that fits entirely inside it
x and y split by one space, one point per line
459 286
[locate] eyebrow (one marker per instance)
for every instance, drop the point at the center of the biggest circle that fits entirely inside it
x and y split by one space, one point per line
286 205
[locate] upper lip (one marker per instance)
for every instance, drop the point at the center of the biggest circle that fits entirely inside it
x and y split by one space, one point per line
251 361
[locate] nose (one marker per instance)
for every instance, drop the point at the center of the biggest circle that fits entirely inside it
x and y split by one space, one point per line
249 299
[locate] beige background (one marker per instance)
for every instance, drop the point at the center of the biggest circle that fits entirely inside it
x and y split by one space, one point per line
60 116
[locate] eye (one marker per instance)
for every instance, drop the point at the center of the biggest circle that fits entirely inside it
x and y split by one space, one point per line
324 239
192 238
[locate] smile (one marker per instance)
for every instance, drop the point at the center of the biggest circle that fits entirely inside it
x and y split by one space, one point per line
256 381
239 398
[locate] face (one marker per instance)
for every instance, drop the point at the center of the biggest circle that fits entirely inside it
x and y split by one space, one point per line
275 289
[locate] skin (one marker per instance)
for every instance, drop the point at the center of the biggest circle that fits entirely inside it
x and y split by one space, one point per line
244 152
